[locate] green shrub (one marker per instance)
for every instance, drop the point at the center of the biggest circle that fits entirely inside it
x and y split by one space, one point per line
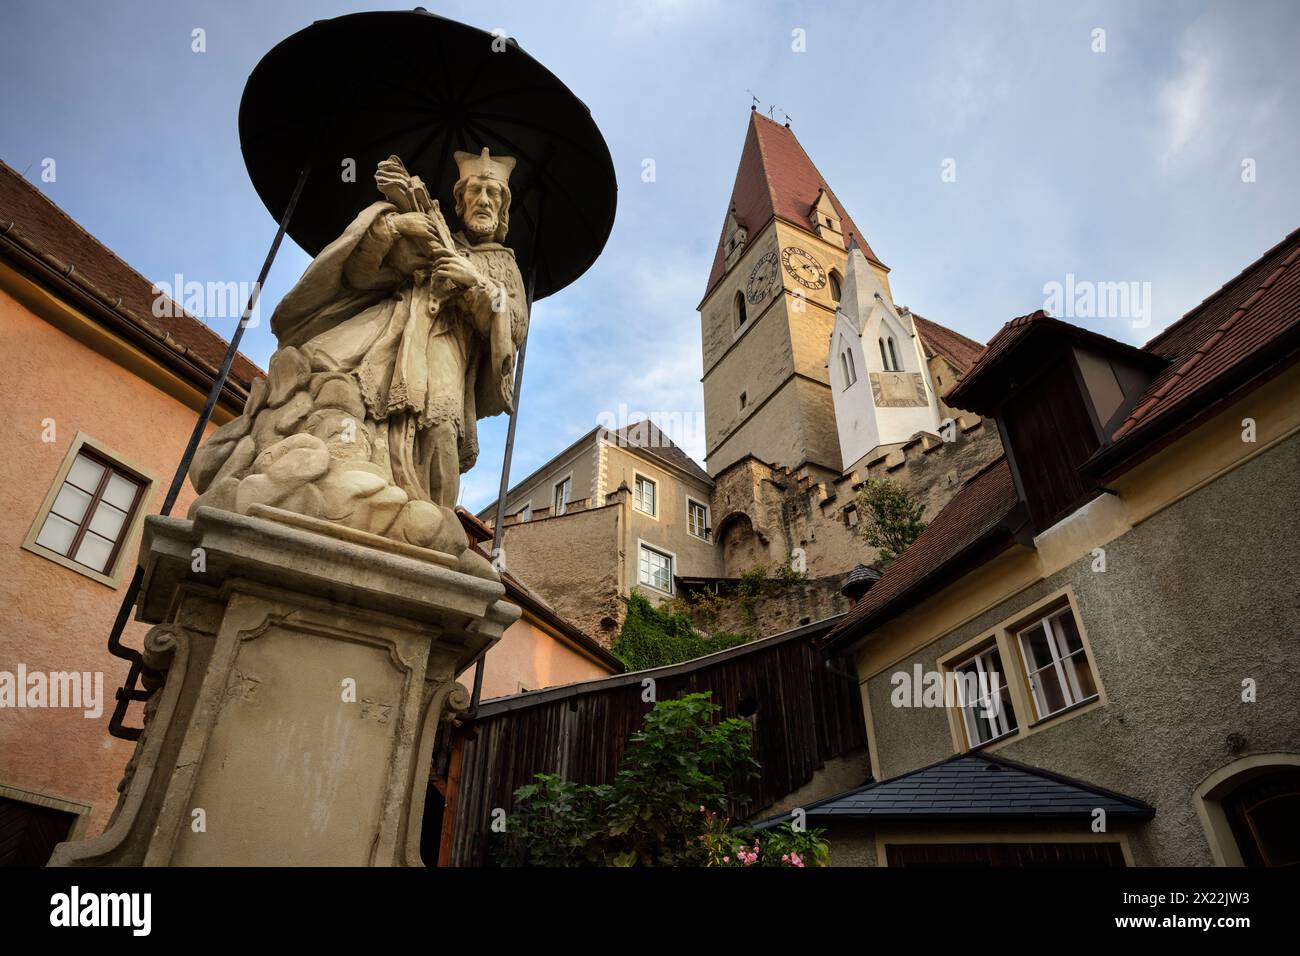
677 771
655 637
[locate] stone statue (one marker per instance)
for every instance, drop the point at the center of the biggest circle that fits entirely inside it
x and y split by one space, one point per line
399 336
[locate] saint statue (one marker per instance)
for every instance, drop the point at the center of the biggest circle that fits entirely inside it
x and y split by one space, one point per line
400 335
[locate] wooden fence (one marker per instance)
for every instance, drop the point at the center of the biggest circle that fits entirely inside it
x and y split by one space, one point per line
803 713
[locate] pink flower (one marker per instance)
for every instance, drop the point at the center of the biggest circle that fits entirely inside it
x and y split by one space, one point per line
701 808
796 859
785 858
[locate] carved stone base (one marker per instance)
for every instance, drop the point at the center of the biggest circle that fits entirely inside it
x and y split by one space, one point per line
306 681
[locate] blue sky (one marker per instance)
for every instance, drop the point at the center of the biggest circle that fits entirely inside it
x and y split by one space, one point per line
1115 166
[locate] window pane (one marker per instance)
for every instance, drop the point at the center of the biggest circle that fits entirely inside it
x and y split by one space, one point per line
56 534
93 551
1038 653
120 492
1067 634
984 698
1079 676
71 503
108 521
656 570
86 473
1047 691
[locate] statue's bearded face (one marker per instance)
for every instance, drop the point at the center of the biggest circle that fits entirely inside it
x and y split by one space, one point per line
479 204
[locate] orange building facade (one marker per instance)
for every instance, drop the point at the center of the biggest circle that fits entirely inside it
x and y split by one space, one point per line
99 398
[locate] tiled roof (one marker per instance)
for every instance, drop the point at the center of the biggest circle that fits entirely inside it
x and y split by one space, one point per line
976 786
960 351
1241 319
28 217
776 178
647 437
976 510
986 379
1001 343
858 581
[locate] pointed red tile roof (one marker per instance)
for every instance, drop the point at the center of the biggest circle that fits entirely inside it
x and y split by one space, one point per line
960 351
776 178
1245 317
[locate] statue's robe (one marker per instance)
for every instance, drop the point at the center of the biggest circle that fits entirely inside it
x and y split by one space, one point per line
422 355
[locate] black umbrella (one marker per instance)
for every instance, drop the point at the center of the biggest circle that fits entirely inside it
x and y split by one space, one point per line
359 88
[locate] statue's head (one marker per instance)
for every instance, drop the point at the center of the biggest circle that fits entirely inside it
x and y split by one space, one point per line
482 195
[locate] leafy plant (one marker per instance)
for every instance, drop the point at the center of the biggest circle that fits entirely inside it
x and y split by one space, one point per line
781 846
891 518
681 766
655 637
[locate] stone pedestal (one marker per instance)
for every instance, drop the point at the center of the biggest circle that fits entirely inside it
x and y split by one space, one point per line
308 671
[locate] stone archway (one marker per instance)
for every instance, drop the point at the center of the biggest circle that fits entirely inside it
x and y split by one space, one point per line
743 546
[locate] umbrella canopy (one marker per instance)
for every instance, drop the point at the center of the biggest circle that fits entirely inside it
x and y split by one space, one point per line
366 86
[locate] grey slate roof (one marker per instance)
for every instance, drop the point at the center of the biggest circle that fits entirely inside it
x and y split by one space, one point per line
860 578
974 787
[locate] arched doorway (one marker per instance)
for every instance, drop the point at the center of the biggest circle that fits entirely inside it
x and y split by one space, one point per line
1251 811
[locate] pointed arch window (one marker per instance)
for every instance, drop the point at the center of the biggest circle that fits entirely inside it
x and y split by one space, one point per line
848 370
884 356
740 309
835 286
893 355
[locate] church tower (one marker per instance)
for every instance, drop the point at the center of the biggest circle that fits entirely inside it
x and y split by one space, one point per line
770 307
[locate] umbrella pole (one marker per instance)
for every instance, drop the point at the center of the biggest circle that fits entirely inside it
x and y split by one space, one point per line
128 691
498 528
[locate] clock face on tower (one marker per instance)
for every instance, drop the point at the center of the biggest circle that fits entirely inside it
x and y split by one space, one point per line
761 279
803 267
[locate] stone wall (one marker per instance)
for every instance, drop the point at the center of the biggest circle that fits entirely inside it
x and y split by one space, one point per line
574 562
815 511
781 607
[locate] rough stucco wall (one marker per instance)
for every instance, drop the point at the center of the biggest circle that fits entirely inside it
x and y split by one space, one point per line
52 618
529 658
573 561
1193 601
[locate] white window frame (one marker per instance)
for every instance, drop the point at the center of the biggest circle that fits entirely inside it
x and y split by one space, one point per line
690 503
559 507
638 498
848 369
1054 669
525 513
985 676
111 576
642 547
